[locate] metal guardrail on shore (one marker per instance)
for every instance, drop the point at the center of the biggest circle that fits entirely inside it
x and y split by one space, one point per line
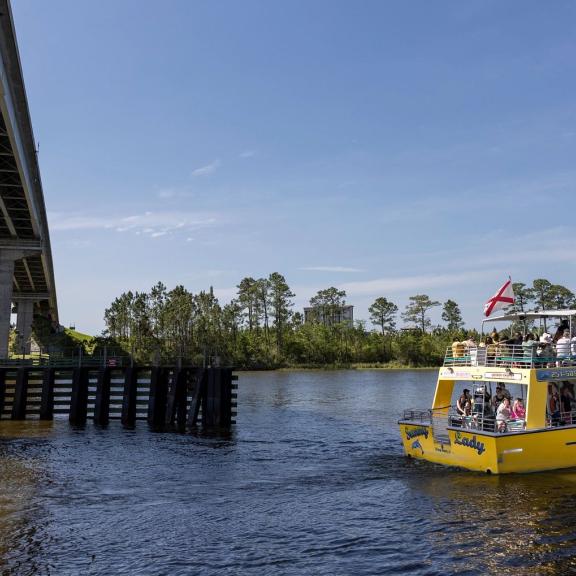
66 362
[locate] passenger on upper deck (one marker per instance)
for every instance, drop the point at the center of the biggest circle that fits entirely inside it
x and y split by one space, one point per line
470 343
490 349
562 327
529 347
504 353
563 347
494 335
458 349
546 350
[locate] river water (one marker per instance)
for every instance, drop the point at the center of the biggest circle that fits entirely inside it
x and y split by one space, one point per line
311 481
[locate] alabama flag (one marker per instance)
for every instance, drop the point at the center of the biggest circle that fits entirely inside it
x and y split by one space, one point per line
504 297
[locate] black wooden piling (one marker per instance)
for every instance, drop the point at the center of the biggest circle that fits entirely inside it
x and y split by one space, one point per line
211 391
217 406
47 398
198 390
129 399
233 398
176 401
170 414
79 397
158 396
102 400
225 409
2 390
182 379
212 402
20 394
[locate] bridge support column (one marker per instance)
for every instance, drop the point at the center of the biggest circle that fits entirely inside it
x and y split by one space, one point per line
7 259
24 319
8 256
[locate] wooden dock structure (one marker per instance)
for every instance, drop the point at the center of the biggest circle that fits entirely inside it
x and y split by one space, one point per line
167 397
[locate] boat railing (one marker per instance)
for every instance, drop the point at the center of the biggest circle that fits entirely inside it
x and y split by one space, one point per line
481 422
561 419
419 415
492 424
509 355
415 415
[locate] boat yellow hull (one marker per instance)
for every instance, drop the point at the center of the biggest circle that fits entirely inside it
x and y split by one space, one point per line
526 451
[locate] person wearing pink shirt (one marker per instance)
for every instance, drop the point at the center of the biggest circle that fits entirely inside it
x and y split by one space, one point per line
518 410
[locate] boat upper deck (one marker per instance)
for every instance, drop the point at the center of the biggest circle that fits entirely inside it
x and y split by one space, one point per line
511 356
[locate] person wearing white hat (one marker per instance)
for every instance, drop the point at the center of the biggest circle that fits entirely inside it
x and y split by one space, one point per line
546 350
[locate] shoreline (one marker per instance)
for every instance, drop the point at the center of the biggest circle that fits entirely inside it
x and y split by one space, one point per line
351 368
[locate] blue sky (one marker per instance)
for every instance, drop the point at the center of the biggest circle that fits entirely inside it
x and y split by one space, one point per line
386 148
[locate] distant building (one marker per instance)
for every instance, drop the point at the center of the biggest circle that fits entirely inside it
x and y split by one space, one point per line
341 314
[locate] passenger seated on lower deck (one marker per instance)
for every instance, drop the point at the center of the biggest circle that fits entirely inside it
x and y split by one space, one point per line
503 415
518 411
566 400
553 404
501 393
462 402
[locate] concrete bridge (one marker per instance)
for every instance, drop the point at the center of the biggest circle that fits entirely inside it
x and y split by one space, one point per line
26 271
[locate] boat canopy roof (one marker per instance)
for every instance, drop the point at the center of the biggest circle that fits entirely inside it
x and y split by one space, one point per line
531 316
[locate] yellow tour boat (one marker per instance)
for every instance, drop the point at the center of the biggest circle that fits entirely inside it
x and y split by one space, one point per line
479 437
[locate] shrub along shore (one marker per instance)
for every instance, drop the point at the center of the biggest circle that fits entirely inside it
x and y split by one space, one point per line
259 329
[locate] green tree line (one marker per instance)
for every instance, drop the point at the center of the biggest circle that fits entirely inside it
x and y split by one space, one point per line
259 328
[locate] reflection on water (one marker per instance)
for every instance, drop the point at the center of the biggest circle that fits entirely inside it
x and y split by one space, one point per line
311 481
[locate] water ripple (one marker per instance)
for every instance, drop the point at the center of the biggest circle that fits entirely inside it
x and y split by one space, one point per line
312 481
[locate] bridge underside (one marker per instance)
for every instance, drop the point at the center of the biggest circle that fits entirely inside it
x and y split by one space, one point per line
26 272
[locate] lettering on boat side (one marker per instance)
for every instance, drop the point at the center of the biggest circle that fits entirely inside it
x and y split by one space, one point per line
451 373
469 442
503 375
555 374
415 432
416 444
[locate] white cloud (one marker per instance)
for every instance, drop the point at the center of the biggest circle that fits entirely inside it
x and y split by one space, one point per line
175 192
208 169
406 283
166 193
225 294
152 224
331 269
248 154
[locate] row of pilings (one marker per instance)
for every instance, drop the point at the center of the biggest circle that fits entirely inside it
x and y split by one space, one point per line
171 397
